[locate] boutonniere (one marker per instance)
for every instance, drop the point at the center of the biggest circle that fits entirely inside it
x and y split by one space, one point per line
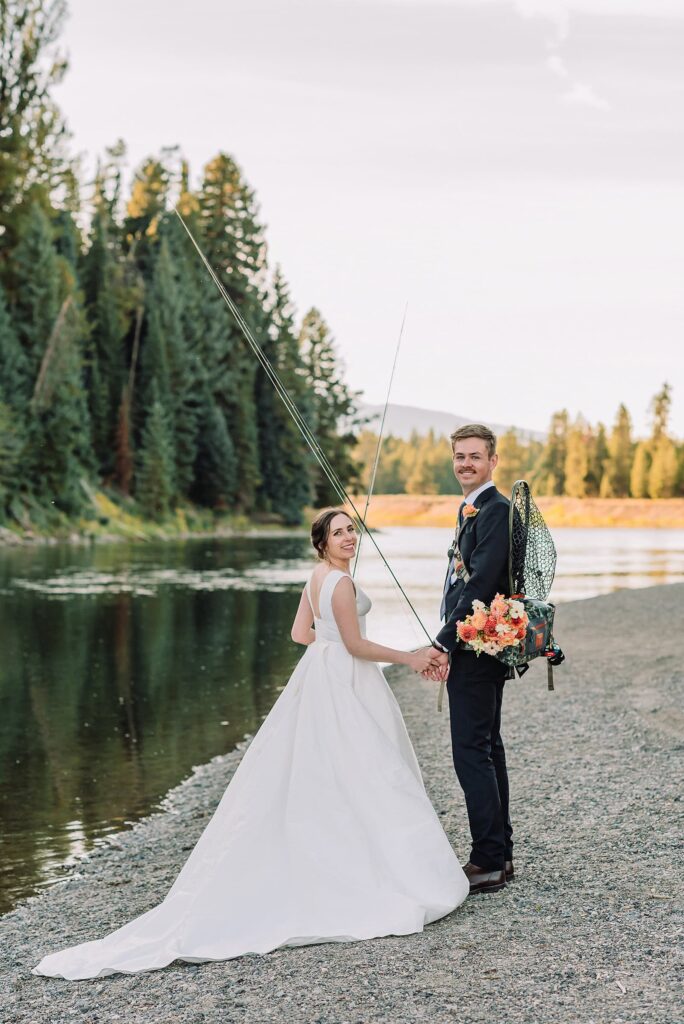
470 511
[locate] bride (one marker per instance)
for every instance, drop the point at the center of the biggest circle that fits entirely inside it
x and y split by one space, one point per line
325 833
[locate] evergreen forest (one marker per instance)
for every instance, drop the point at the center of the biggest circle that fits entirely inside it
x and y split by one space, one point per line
576 459
124 378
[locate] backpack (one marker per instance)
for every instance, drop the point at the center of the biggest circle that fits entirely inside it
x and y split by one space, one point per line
531 568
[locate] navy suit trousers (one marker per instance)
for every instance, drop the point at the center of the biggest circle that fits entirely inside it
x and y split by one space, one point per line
475 687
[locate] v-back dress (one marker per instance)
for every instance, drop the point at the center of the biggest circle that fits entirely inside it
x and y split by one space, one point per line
324 834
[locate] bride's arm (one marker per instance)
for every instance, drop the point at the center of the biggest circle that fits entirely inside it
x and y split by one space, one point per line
344 610
301 631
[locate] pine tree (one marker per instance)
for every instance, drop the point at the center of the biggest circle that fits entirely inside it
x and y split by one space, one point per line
576 467
209 334
548 475
660 407
155 483
215 469
512 460
58 451
662 476
32 132
332 408
638 480
51 328
597 455
284 484
235 246
107 299
167 360
36 288
144 212
615 482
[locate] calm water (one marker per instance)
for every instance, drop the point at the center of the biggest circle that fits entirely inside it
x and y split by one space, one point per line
124 666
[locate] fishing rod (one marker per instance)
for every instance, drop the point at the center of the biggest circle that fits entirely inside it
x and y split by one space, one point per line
379 444
294 412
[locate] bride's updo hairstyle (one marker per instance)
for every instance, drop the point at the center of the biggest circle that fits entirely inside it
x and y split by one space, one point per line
320 528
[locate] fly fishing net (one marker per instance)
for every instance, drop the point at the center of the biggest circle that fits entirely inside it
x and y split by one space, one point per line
532 552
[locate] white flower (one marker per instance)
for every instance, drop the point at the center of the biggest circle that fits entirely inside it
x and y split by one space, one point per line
517 609
479 606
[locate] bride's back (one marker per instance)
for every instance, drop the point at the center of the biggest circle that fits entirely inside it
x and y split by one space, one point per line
320 589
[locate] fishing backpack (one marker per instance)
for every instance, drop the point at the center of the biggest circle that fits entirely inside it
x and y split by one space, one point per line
531 568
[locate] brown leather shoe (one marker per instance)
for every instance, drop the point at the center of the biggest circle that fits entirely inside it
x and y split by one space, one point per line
510 870
482 880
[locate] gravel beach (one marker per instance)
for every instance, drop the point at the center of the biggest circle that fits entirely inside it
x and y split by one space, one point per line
586 934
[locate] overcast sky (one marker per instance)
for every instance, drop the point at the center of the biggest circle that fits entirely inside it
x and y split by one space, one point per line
513 170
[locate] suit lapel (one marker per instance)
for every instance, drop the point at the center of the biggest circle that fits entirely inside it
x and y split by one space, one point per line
479 502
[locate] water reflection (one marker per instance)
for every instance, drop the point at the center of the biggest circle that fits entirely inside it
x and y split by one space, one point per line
123 666
110 696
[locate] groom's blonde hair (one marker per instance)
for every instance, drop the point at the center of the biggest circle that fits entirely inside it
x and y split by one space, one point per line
475 430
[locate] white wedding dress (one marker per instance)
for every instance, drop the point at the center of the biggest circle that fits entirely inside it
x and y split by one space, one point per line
325 833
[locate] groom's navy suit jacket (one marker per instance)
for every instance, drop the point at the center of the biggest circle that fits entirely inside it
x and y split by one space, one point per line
483 542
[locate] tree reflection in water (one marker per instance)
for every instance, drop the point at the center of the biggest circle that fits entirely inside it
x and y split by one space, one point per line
112 691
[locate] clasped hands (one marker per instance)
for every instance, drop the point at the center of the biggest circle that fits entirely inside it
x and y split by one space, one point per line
432 664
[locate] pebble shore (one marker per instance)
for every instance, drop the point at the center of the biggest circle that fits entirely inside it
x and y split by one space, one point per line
587 934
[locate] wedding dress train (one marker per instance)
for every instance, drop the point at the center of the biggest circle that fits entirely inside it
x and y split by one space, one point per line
324 834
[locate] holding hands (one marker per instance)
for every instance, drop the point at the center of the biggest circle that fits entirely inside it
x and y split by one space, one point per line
431 663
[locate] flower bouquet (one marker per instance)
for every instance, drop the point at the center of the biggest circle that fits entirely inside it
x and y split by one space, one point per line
494 629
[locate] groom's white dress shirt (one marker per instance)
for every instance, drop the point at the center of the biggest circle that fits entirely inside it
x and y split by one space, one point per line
474 495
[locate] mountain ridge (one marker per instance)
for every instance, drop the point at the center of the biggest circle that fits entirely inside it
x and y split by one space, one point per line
403 420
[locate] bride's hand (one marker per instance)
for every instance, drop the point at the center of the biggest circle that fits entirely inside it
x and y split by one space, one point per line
424 660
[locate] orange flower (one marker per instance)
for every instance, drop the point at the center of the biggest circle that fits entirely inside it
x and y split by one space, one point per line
466 632
469 511
478 620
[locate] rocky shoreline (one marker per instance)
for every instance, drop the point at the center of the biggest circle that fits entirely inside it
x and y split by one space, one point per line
587 934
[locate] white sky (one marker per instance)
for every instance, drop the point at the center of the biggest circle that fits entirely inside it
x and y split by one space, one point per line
514 170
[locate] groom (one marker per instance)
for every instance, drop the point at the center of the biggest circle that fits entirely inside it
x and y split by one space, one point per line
475 684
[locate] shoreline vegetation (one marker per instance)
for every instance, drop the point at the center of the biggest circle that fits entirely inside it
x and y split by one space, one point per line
113 522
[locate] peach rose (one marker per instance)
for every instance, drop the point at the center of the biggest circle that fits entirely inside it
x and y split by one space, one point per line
478 620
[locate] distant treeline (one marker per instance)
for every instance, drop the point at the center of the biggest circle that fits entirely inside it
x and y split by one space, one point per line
120 364
577 459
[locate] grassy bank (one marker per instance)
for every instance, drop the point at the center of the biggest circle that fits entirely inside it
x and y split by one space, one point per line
440 510
110 519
